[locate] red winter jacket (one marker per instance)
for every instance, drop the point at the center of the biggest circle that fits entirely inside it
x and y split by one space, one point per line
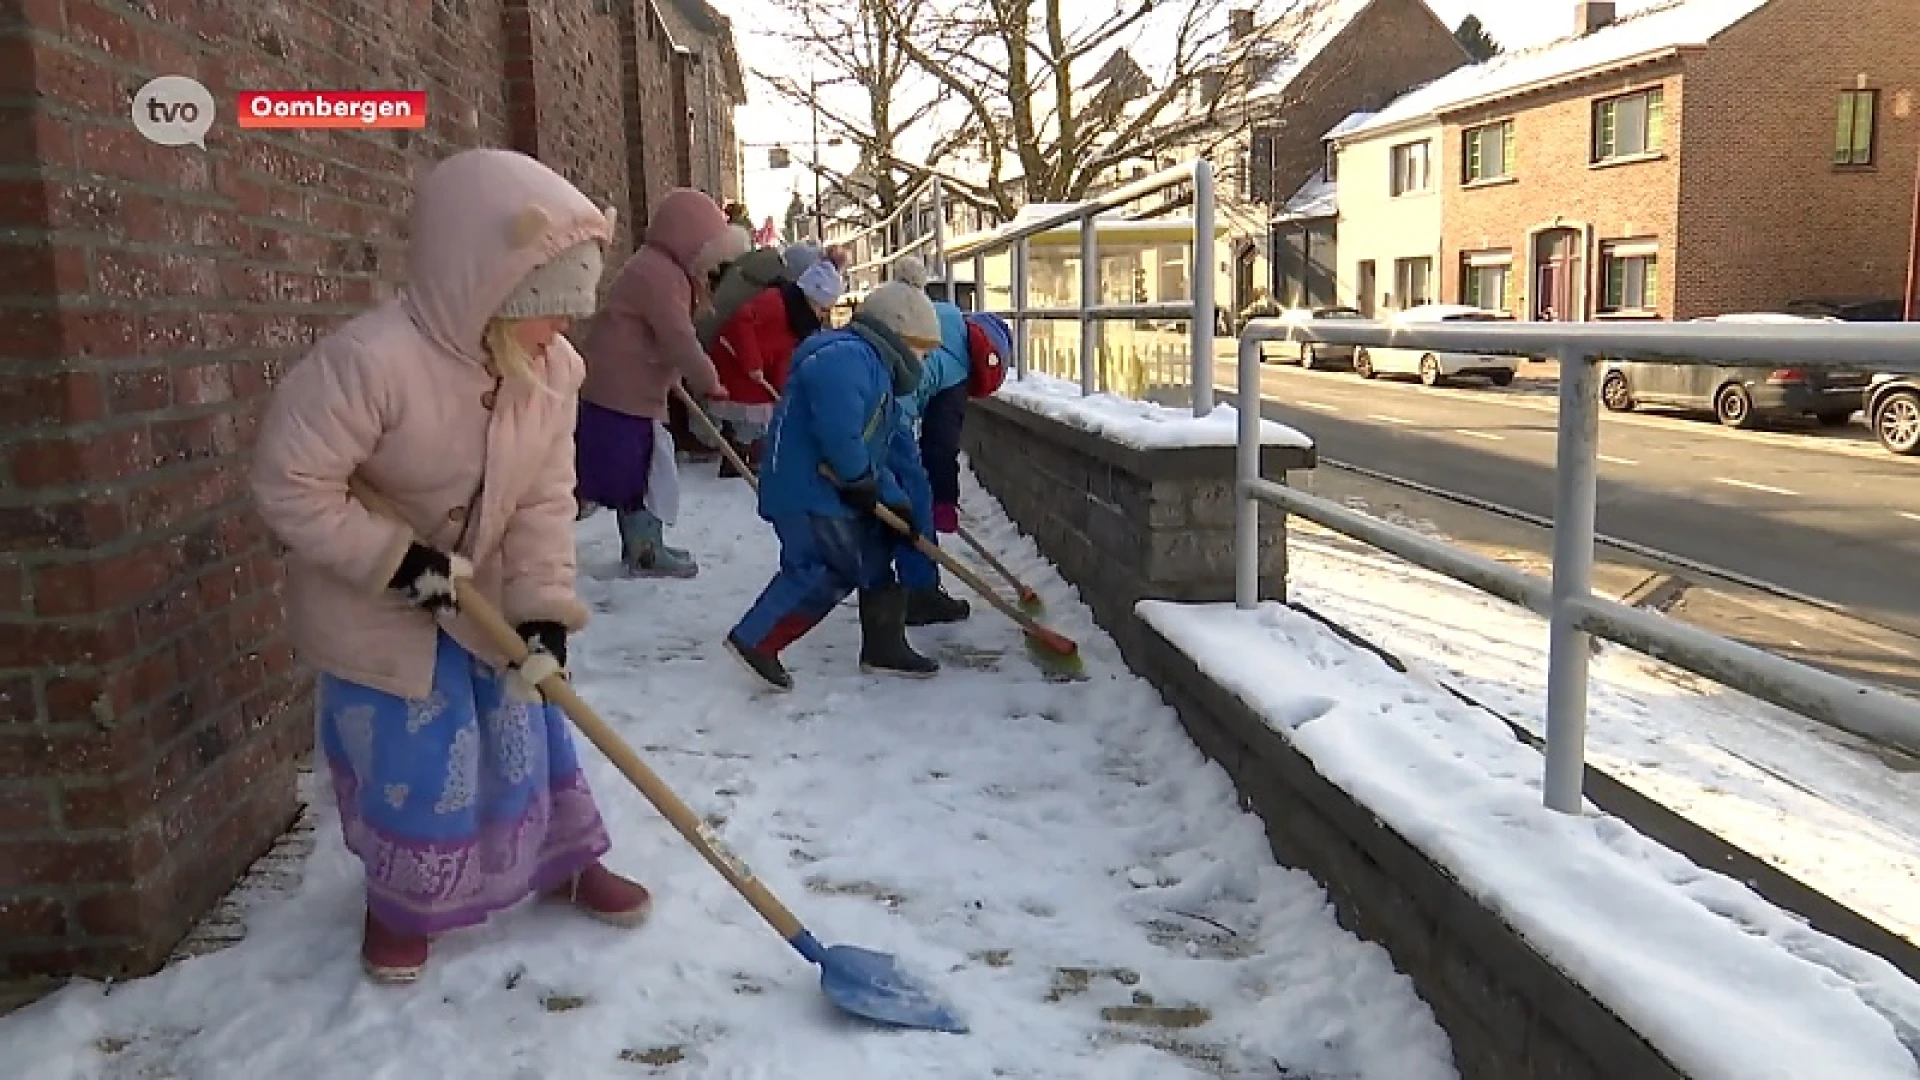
758 340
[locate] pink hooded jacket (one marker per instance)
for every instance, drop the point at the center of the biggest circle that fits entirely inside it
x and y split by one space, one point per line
643 340
404 396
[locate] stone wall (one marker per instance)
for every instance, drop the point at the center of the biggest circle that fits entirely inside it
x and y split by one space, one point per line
151 712
1511 1015
1123 524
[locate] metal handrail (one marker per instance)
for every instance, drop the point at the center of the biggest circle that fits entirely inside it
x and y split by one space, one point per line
1199 307
1567 600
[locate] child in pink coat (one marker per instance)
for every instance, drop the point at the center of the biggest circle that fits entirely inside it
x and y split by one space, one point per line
458 786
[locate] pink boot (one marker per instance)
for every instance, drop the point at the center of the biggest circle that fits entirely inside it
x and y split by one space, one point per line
390 956
607 896
946 518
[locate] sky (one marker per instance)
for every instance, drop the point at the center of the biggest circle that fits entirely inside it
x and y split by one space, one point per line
768 120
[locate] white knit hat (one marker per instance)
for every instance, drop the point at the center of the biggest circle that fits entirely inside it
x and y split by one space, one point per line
821 284
566 285
906 311
910 270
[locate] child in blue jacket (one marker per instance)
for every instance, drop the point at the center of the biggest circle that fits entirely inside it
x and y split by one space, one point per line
834 453
938 408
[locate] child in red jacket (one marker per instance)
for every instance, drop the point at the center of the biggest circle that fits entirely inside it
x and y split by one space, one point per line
754 348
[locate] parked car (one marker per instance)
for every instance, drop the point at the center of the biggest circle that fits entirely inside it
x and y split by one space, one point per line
1740 396
1435 368
1307 354
1893 412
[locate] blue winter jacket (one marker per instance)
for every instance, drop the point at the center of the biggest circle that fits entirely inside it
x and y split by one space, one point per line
839 410
945 367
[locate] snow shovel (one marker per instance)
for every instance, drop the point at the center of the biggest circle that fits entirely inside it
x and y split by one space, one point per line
857 981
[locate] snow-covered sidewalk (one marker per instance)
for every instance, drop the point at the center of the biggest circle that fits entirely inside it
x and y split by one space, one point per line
1059 859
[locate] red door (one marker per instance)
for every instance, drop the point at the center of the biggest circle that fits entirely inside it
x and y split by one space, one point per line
1556 278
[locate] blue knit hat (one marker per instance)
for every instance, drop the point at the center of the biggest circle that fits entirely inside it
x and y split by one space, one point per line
998 333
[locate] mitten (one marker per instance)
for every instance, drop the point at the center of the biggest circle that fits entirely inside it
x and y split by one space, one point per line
426 576
546 656
862 494
904 512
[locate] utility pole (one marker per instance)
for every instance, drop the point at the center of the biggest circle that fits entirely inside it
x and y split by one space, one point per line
819 217
1913 251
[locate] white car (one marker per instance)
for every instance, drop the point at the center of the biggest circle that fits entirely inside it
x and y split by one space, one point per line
1435 368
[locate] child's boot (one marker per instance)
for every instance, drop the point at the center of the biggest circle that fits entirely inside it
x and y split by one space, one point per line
884 649
644 551
389 956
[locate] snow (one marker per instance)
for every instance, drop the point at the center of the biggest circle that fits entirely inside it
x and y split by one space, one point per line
1685 956
1137 424
994 830
1319 197
1687 23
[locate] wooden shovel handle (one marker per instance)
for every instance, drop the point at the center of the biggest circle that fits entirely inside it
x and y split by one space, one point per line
1053 639
475 606
713 429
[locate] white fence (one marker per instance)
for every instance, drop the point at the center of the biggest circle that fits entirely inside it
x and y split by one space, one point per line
1575 614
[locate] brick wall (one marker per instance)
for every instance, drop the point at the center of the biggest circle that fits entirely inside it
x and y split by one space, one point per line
1390 47
1766 217
150 710
1553 183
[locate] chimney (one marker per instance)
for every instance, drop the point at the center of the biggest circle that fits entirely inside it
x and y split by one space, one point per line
1591 15
1239 24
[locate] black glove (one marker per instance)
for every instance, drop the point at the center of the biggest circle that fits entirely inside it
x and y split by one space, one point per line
905 514
546 656
862 494
426 577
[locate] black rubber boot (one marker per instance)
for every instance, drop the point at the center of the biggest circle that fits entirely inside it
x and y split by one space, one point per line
928 607
765 666
884 649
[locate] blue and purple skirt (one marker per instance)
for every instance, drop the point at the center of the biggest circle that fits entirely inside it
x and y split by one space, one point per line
460 804
612 453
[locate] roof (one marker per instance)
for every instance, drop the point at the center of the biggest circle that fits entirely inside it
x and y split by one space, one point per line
1351 123
1287 48
1643 35
1317 198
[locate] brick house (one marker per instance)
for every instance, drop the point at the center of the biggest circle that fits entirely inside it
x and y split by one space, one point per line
703 44
1685 161
151 712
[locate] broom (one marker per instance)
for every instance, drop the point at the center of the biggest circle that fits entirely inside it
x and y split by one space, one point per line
1054 652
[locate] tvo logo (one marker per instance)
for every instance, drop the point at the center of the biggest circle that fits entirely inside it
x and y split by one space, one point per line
174 110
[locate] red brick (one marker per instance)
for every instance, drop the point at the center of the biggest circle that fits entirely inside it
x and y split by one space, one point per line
25 810
49 863
143 391
81 458
67 523
19 705
64 397
125 912
13 588
95 27
74 79
180 495
28 754
103 585
112 696
23 203
100 332
32 917
57 644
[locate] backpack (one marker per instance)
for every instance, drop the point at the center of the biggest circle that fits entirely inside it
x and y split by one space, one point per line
742 279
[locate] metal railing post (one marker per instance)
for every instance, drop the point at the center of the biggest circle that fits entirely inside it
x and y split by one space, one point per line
1089 297
1246 522
979 283
1204 261
1576 472
939 197
1020 343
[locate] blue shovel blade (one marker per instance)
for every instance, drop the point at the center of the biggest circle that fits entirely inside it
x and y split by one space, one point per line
871 985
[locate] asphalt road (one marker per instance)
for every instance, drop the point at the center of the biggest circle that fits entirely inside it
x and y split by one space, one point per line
1830 516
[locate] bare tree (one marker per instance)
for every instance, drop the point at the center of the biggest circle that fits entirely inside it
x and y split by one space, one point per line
854 46
1059 104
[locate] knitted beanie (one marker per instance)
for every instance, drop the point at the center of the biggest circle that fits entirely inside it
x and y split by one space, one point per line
821 284
995 329
567 285
910 270
906 311
800 256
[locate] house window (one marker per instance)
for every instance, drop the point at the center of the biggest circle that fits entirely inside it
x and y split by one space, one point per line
1412 282
1853 142
1630 272
1483 279
1629 125
1487 153
1410 171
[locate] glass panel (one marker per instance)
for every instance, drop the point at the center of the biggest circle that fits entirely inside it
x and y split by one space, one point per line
1650 287
1604 126
1656 109
1506 149
1631 133
1843 134
1863 118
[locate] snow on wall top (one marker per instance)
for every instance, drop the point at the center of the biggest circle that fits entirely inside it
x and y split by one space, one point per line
1681 24
1139 425
1722 983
